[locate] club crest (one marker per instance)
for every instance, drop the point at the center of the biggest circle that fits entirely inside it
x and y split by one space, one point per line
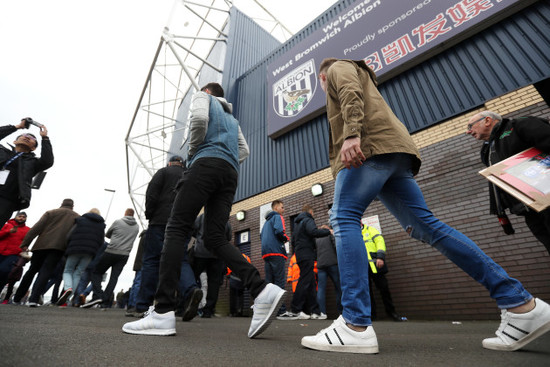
294 91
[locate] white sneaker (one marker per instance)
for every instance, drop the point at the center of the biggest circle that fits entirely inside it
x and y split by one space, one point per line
265 309
315 316
518 329
303 316
338 337
288 316
153 323
323 316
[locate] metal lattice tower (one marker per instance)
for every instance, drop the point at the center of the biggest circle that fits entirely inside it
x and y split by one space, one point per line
192 31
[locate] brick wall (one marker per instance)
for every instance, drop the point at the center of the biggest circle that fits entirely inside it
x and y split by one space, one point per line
424 284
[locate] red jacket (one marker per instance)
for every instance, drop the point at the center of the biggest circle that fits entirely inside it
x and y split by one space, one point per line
9 242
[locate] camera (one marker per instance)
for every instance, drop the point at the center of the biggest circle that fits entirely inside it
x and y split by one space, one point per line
29 121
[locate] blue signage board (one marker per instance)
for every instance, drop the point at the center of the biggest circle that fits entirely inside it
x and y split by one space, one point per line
388 34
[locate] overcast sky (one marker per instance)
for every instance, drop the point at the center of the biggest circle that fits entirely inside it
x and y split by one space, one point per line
79 68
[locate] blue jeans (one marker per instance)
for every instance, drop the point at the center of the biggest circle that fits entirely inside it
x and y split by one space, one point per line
132 299
74 267
322 274
6 264
389 177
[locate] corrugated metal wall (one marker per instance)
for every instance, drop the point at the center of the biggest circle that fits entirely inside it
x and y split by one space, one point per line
502 58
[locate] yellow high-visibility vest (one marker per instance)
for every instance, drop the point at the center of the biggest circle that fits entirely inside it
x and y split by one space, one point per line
374 242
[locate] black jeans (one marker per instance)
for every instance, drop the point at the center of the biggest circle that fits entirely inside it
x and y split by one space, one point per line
116 263
44 263
539 224
305 296
381 283
210 183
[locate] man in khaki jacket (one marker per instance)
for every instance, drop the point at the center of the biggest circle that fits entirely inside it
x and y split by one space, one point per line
372 155
47 251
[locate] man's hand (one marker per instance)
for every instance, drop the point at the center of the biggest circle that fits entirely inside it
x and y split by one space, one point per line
13 229
43 131
351 154
22 125
379 263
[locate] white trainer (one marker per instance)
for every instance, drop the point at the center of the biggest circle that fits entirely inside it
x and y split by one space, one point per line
265 309
338 337
153 323
323 316
516 330
288 316
303 316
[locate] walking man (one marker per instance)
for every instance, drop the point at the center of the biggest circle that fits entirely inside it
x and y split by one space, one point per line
216 147
372 155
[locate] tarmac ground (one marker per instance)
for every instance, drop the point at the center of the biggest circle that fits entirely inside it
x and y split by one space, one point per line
52 336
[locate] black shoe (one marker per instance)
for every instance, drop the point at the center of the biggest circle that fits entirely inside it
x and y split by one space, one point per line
64 297
92 303
193 305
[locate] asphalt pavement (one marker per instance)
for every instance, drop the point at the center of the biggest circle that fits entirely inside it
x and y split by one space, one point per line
52 336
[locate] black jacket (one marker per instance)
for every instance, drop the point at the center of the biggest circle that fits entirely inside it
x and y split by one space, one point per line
161 193
200 247
510 137
28 166
305 232
87 235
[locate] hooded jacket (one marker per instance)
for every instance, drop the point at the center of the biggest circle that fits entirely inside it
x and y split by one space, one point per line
305 232
214 132
273 236
9 242
122 233
510 137
27 166
87 235
355 108
52 230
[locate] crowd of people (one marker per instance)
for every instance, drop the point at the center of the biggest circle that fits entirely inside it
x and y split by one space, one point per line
371 156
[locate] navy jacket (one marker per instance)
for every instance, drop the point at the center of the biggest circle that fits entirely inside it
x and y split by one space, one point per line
87 235
273 236
305 232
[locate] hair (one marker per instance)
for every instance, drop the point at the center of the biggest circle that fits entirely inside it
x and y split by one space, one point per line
95 211
327 63
275 203
307 208
129 212
35 139
215 89
491 114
